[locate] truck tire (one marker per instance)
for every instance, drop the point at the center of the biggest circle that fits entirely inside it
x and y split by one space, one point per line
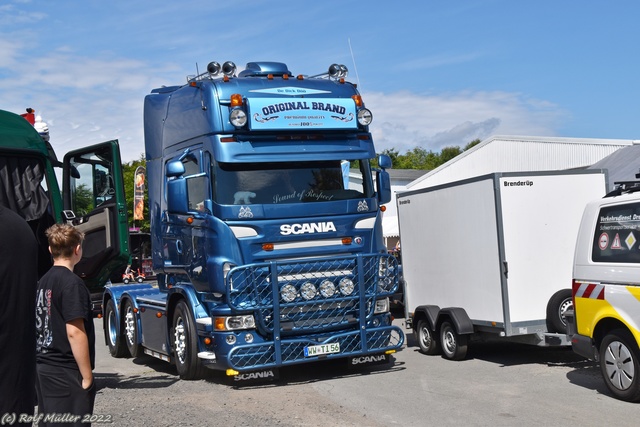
620 366
454 346
185 345
557 307
115 340
130 321
426 338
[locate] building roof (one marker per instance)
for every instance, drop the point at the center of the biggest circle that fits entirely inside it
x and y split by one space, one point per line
622 165
518 154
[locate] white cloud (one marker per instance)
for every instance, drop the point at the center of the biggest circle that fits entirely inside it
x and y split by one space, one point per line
405 120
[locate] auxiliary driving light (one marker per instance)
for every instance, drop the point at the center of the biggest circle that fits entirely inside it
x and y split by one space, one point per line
288 293
365 117
327 289
308 291
346 286
238 117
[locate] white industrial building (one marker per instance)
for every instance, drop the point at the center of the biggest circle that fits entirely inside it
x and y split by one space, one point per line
515 154
521 154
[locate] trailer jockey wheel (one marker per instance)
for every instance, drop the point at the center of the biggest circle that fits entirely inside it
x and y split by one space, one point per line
454 346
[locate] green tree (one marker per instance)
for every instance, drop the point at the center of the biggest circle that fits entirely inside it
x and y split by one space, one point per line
419 158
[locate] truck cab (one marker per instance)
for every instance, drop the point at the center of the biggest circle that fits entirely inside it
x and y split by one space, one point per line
92 197
266 226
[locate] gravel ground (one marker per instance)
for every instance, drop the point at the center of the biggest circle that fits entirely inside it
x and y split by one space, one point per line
147 391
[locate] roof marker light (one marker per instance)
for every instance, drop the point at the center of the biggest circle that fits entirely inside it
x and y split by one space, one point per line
236 100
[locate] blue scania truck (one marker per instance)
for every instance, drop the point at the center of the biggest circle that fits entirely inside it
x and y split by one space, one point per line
266 225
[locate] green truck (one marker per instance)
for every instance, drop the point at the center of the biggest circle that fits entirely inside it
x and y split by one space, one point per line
90 196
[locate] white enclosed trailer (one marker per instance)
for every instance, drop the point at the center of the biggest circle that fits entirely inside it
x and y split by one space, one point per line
491 257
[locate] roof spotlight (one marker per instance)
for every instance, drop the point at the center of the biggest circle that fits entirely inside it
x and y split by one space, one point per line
335 70
343 71
229 68
213 68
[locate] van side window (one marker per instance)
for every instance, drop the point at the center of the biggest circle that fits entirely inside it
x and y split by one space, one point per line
617 234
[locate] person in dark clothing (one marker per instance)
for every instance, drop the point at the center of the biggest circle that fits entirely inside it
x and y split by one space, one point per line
65 345
19 273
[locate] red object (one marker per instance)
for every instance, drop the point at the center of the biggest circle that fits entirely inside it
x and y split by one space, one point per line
30 115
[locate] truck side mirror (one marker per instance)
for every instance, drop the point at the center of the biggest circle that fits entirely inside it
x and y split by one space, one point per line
383 183
174 169
384 161
177 195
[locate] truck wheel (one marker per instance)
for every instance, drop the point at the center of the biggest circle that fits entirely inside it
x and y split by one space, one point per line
619 364
131 330
140 279
426 338
115 340
185 347
454 346
125 281
557 308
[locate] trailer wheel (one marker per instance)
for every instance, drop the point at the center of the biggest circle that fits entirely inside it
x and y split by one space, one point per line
426 338
185 347
557 308
620 366
131 330
454 346
115 341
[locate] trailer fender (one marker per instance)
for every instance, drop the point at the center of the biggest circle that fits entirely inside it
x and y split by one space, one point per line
428 312
458 317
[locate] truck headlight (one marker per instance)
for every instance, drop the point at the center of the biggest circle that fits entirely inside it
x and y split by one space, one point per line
234 323
382 306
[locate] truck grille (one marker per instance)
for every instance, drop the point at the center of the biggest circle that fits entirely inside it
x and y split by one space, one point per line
294 298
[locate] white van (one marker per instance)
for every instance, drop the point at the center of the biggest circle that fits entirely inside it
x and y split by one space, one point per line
606 290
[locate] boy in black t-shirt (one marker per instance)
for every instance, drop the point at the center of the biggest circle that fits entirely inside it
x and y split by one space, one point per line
65 346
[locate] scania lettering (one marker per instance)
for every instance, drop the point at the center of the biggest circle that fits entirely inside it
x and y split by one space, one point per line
266 226
323 227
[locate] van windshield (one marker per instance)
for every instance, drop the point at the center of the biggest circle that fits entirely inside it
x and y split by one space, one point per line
288 182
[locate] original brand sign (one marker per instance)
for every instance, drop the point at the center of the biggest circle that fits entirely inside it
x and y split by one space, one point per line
301 114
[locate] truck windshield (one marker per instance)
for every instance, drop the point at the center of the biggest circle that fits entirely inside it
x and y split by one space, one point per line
287 182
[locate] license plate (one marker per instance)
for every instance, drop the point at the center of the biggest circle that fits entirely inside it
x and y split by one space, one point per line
318 350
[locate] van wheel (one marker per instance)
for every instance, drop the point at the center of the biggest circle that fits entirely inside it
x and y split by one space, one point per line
454 346
131 330
185 344
115 340
426 338
619 365
557 308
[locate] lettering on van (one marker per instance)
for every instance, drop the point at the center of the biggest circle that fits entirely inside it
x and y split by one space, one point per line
527 183
307 228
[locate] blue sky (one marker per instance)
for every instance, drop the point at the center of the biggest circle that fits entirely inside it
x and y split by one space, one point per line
434 73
